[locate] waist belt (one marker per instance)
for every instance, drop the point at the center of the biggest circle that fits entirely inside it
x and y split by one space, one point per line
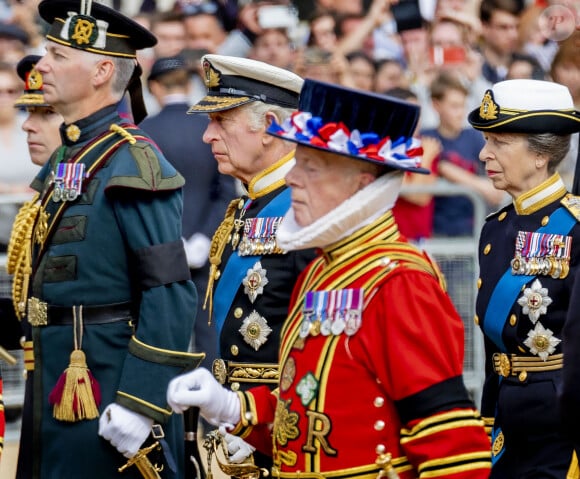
511 365
43 314
232 372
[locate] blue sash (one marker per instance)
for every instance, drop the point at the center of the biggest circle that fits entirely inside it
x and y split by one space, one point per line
237 266
509 286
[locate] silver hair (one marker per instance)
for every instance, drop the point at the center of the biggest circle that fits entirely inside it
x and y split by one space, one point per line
257 112
124 68
552 146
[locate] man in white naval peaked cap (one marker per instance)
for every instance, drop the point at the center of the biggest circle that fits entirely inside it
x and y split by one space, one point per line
251 277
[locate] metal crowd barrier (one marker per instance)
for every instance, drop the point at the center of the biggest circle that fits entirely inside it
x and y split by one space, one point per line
458 261
457 258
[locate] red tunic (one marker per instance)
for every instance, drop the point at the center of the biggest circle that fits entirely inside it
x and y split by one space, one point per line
395 386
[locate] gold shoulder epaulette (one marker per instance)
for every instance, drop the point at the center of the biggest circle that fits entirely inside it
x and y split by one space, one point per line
124 133
572 204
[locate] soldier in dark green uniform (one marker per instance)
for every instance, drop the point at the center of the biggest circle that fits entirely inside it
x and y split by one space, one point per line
251 278
101 280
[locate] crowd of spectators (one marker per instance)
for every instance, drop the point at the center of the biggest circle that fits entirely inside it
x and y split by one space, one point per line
374 45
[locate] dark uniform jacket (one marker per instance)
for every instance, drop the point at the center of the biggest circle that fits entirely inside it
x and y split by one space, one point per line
250 319
525 288
206 192
112 261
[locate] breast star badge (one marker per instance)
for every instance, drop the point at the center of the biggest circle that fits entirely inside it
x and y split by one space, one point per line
535 301
255 281
541 341
255 330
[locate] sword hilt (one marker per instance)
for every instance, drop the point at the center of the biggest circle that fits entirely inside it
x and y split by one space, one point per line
147 469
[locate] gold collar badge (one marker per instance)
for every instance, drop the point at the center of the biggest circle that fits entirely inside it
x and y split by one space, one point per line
73 132
212 76
488 109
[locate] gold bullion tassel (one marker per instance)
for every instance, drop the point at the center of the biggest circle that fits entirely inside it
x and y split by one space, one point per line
77 394
216 249
142 462
19 254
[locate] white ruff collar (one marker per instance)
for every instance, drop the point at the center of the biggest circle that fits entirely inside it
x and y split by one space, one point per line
361 209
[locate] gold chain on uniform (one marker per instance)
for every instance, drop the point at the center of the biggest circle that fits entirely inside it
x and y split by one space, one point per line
31 223
218 243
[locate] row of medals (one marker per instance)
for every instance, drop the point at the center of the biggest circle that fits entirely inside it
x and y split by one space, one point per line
557 268
348 323
253 246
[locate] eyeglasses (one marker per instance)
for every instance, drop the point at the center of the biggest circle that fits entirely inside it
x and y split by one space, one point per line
191 7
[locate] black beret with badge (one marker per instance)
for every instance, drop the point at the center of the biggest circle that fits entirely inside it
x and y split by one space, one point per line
33 94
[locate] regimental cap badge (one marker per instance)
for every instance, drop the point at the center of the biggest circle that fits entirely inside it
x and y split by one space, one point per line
212 76
83 30
488 109
33 83
34 80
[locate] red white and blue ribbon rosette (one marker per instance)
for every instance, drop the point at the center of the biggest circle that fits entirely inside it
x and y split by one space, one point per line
301 127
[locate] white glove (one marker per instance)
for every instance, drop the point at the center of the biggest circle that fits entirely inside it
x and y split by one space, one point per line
196 250
200 389
124 429
238 449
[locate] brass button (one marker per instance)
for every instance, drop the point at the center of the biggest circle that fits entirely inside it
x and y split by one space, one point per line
545 220
379 401
238 312
523 376
379 425
502 216
235 387
476 320
229 238
217 274
380 449
487 248
241 203
478 283
234 350
513 320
